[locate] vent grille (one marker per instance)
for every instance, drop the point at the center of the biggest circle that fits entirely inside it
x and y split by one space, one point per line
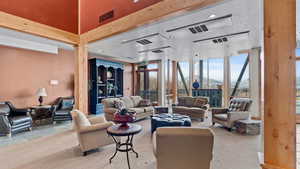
106 16
157 51
198 29
220 40
144 42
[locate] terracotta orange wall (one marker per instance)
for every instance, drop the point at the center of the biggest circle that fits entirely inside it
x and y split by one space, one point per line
23 72
62 14
92 9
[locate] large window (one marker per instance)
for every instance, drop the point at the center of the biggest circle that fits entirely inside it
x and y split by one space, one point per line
212 72
183 80
236 65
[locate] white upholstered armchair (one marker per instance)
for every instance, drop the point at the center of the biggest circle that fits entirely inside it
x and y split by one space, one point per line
183 148
91 132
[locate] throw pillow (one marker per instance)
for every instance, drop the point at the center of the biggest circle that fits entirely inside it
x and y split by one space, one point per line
128 102
67 104
199 102
181 101
82 119
119 104
144 103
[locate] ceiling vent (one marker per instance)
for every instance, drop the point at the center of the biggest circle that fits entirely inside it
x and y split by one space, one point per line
141 40
220 40
144 42
198 29
106 16
207 25
155 50
226 38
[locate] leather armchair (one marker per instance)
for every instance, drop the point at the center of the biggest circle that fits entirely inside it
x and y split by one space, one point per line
61 109
238 110
183 148
13 120
91 132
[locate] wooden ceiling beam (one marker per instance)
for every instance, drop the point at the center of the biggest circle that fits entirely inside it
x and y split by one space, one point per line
25 25
144 16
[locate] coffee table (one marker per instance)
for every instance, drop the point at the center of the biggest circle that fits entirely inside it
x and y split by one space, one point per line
114 131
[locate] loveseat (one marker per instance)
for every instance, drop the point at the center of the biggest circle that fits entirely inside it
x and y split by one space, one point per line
194 107
133 103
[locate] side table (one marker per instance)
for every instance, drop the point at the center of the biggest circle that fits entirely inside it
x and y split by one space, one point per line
250 127
41 114
127 146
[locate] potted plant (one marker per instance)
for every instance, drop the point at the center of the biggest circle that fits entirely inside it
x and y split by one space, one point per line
124 117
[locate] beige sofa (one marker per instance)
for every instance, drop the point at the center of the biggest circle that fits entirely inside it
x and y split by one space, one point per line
91 132
238 110
131 103
183 148
194 107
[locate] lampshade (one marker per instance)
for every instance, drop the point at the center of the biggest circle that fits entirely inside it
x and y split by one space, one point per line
41 92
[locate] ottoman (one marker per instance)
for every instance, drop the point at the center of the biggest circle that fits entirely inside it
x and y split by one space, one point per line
169 120
250 127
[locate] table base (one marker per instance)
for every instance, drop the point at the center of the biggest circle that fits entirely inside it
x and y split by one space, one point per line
128 147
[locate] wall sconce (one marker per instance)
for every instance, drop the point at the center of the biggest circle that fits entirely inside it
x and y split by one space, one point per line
54 82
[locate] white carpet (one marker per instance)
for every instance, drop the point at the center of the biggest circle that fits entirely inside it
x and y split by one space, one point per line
60 151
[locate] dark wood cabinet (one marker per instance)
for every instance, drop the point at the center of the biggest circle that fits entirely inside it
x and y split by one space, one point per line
106 81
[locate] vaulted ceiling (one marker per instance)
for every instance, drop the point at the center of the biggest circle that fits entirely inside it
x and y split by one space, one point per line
215 31
72 15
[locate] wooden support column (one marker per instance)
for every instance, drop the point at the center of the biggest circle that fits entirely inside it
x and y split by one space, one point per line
280 90
81 77
174 81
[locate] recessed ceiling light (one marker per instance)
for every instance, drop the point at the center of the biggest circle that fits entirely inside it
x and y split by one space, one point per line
212 16
136 1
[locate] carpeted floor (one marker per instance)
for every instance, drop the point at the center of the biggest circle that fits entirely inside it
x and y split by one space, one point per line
60 151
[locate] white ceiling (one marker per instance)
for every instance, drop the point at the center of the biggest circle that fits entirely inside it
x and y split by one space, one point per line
246 16
17 39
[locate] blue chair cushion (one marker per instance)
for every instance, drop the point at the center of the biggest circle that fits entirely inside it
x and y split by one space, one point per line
67 104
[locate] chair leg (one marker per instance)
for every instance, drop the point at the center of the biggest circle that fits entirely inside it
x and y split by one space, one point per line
84 153
213 123
229 129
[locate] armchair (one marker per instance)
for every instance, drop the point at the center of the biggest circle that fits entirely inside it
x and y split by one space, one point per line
238 110
182 148
61 109
13 120
91 132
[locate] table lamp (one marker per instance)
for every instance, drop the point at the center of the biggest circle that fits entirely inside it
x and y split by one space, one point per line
41 93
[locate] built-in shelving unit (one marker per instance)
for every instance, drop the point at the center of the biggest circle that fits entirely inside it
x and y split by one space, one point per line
106 81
